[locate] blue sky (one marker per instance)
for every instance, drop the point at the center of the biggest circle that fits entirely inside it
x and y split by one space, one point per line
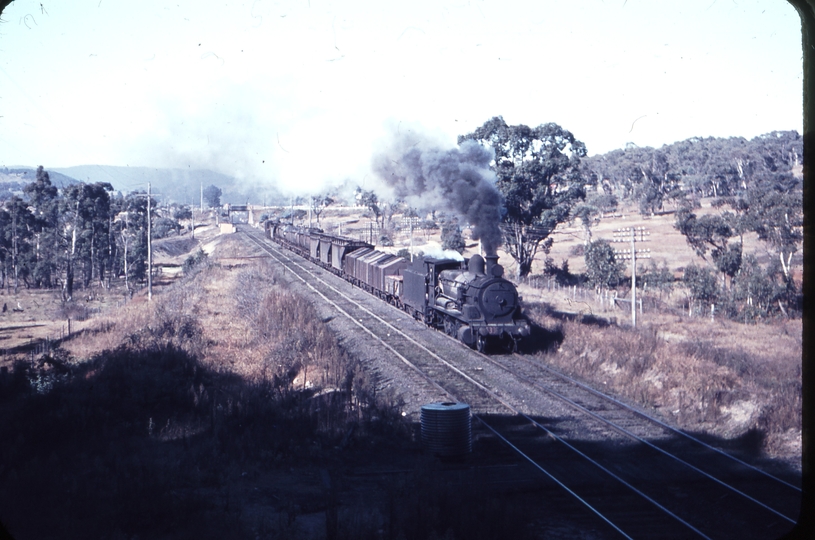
303 93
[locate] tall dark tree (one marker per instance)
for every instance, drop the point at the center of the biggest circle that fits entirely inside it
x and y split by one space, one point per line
212 195
15 241
538 174
86 211
130 228
44 200
369 200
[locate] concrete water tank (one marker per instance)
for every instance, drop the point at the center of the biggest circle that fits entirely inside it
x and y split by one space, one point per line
446 429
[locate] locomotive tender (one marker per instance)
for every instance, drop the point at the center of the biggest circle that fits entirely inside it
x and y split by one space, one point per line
469 299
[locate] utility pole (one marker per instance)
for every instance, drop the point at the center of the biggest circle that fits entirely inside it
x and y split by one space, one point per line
149 249
411 239
635 234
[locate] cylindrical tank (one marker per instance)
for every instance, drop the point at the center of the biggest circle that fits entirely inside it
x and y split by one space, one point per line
446 429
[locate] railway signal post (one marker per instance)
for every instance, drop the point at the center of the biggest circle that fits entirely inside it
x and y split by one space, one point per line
634 235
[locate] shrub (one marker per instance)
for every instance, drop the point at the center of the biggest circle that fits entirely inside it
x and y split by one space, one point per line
451 237
194 261
561 274
602 267
701 283
578 250
660 278
164 226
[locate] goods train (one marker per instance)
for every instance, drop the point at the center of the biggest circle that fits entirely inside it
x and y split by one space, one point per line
468 299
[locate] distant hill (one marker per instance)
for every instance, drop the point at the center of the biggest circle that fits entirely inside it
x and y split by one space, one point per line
173 185
13 180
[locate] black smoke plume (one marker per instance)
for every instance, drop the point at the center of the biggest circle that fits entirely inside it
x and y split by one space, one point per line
458 180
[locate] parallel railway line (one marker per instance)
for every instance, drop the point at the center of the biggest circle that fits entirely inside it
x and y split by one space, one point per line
640 505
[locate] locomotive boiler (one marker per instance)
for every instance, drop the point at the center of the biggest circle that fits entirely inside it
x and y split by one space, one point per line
471 302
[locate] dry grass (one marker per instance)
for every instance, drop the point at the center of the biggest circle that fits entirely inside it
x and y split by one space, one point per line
160 408
734 379
206 413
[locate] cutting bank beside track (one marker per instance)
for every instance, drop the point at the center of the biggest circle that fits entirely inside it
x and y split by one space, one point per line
635 475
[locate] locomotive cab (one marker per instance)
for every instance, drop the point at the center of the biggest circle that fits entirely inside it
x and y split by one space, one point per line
419 283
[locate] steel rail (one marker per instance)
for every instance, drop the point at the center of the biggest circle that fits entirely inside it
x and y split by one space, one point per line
655 420
636 437
431 381
547 473
491 394
580 408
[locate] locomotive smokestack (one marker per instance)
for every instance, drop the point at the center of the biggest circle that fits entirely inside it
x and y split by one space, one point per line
493 268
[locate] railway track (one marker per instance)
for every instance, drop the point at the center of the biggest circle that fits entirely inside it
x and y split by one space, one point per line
629 475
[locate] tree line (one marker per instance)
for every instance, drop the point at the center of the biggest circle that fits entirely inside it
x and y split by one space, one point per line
547 180
81 234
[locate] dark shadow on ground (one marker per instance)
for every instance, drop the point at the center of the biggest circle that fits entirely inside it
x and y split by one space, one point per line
151 443
720 512
540 339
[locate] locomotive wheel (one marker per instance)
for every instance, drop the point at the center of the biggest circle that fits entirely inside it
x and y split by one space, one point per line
480 343
512 345
450 326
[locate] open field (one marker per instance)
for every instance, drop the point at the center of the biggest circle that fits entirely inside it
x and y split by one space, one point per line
225 407
667 245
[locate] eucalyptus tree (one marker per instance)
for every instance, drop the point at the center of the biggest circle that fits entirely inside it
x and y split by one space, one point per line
319 204
86 215
15 235
712 232
369 200
130 230
775 213
538 175
43 198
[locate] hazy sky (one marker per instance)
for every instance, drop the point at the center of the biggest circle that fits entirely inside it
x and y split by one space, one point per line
303 93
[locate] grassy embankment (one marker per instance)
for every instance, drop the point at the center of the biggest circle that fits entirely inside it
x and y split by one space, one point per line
222 409
723 378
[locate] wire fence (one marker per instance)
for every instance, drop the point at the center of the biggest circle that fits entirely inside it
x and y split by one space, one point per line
597 300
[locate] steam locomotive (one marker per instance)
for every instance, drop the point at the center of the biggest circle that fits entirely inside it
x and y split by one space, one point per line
468 299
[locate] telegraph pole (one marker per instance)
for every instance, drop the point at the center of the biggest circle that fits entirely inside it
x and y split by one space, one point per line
636 234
